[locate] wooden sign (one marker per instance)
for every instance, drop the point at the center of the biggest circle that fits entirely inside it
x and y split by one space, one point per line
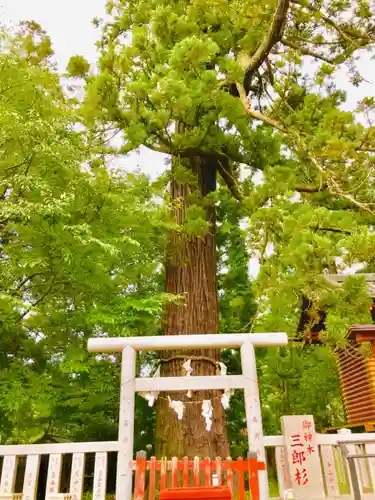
282 470
329 468
303 456
8 475
54 474
31 477
76 478
100 476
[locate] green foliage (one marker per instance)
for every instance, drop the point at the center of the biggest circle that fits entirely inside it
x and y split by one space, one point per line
78 67
80 254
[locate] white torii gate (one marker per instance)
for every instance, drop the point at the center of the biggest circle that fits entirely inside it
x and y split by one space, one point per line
130 384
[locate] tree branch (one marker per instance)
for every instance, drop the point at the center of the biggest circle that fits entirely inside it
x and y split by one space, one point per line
307 52
230 181
331 183
273 36
330 230
305 188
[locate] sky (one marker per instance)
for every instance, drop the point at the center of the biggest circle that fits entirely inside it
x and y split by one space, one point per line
69 25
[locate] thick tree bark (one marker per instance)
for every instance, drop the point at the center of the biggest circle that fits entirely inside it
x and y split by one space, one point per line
191 273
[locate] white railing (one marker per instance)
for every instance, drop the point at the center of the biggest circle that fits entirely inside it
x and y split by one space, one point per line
21 472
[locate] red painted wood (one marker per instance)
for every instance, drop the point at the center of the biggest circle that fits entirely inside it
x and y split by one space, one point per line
196 467
152 483
185 472
228 468
174 482
218 471
163 474
205 467
201 493
207 472
253 478
140 478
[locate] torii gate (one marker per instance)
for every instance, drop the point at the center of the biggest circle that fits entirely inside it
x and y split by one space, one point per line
130 384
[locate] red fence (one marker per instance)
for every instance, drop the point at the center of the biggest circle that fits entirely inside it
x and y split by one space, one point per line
156 475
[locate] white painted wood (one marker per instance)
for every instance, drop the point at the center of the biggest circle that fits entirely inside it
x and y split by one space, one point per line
370 450
126 425
76 477
8 475
283 479
31 477
199 383
363 468
303 456
54 474
344 435
329 471
253 413
100 477
60 448
271 441
14 496
59 496
347 437
166 342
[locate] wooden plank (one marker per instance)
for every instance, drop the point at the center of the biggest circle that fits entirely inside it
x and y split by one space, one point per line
370 450
196 471
253 413
100 476
207 471
163 474
229 474
31 477
185 473
174 480
241 481
124 477
59 496
77 475
219 472
58 448
283 479
152 483
329 471
8 475
140 476
171 384
170 342
254 485
54 474
364 471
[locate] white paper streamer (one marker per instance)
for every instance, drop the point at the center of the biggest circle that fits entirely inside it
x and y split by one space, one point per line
151 397
207 412
225 398
187 367
178 407
223 368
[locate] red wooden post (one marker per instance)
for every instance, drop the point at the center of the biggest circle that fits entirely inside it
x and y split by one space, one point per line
185 473
218 471
174 482
196 471
140 475
241 479
230 475
163 474
152 483
253 475
207 471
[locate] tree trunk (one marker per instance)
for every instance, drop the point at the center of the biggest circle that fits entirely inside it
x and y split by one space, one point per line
191 273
